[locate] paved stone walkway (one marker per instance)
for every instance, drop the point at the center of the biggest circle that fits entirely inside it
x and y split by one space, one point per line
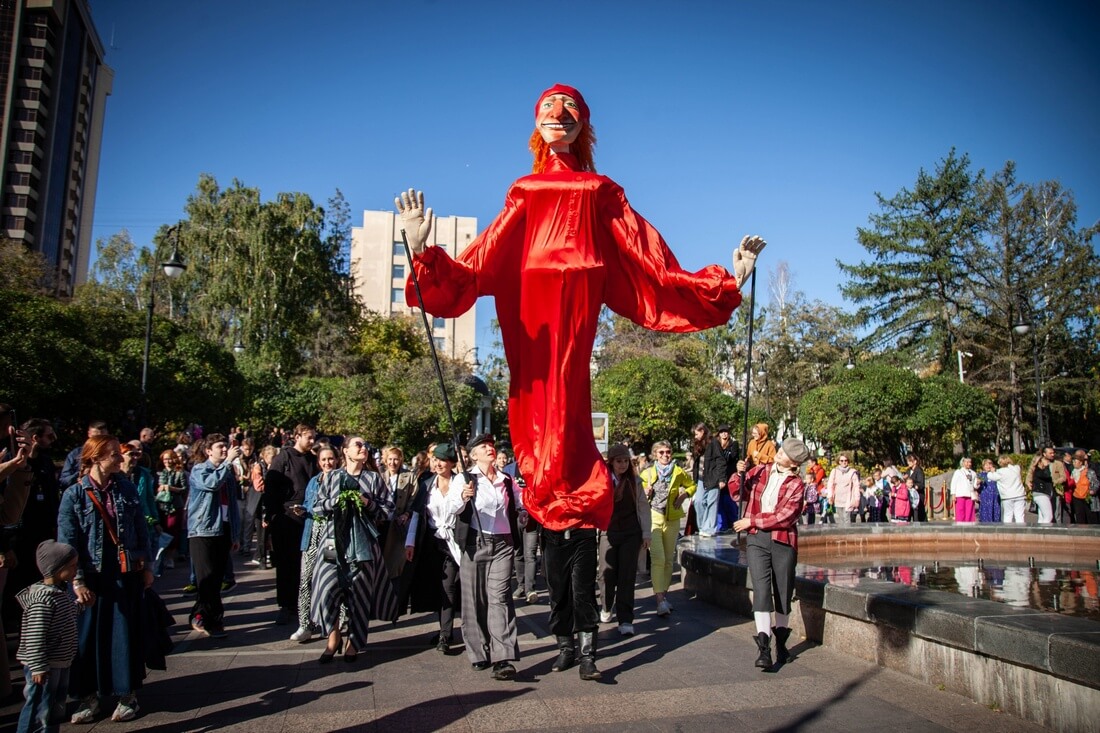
692 671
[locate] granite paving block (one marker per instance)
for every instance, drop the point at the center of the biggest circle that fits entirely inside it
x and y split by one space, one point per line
952 622
848 602
1025 638
1076 657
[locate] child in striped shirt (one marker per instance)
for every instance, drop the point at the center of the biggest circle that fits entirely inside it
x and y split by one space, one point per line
47 642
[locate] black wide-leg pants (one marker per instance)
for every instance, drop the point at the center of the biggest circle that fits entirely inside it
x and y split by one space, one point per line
569 560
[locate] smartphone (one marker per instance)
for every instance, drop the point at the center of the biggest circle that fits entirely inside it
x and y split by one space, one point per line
12 446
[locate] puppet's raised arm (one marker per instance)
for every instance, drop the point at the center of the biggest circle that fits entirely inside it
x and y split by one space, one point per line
646 283
451 286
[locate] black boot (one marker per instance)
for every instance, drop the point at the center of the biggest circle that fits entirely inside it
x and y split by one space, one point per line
781 634
588 669
764 644
566 654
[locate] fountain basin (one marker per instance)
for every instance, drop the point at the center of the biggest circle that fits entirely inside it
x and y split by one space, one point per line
1039 665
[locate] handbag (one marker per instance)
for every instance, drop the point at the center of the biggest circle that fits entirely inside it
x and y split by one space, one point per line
126 562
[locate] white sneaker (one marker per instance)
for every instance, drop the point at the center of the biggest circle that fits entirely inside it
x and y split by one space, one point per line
626 629
88 711
127 710
663 609
605 617
302 635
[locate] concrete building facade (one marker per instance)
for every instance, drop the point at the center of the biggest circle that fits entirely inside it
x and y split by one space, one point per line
53 94
379 269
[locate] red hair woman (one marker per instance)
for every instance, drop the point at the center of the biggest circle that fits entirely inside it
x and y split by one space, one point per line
102 517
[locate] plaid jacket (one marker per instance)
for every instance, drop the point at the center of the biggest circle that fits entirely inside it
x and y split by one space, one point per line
783 522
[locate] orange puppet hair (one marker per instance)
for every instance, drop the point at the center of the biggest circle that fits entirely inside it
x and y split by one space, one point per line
582 149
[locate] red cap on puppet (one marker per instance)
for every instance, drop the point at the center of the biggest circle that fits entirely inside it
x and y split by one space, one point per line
565 89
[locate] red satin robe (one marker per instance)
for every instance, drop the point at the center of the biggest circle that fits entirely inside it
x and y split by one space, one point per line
566 243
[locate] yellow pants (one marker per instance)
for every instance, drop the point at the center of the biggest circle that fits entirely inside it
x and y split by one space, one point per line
662 551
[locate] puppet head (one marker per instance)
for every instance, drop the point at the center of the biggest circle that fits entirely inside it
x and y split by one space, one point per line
562 118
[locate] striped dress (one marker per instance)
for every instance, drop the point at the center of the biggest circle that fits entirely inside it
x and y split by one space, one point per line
363 587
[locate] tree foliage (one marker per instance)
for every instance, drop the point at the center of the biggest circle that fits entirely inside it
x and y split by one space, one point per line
799 343
75 362
23 270
264 273
862 408
916 279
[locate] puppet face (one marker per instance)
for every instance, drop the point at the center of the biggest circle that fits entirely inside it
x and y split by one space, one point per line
559 121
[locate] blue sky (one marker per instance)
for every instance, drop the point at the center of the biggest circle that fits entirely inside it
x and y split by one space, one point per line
718 118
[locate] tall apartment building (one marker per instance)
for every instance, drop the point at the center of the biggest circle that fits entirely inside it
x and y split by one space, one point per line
53 93
379 268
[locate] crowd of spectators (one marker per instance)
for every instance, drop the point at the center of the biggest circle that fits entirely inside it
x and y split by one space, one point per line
355 533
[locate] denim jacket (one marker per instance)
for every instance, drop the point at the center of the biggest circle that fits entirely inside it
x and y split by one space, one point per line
80 524
204 500
311 496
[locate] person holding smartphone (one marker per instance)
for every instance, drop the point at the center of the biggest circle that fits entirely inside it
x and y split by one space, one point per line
213 524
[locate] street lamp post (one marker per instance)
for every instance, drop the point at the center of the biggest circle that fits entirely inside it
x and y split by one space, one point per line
1022 327
961 355
173 268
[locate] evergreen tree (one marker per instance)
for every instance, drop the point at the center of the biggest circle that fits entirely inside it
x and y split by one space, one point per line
911 290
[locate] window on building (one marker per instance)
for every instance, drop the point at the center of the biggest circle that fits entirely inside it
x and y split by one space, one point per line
15 222
398 248
440 344
26 115
397 295
438 322
18 200
399 271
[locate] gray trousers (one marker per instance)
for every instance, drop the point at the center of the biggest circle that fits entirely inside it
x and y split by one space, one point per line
488 614
771 565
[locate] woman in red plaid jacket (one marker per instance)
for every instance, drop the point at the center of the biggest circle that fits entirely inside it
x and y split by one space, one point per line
775 502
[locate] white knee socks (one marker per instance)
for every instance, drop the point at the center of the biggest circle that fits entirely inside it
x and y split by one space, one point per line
763 621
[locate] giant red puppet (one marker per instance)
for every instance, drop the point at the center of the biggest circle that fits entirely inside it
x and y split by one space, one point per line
566 243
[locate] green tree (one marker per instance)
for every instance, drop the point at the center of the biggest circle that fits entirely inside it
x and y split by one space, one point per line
799 343
646 398
948 413
913 286
116 277
266 273
22 269
76 362
1033 264
863 409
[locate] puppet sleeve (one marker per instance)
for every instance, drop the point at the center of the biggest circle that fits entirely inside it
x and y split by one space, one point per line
451 286
645 282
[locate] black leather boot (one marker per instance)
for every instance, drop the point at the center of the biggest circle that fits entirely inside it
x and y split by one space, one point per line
781 634
587 668
764 644
566 654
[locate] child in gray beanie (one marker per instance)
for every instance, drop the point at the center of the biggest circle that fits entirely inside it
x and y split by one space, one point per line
47 642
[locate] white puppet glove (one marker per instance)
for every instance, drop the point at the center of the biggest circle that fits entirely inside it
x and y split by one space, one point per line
744 257
415 220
